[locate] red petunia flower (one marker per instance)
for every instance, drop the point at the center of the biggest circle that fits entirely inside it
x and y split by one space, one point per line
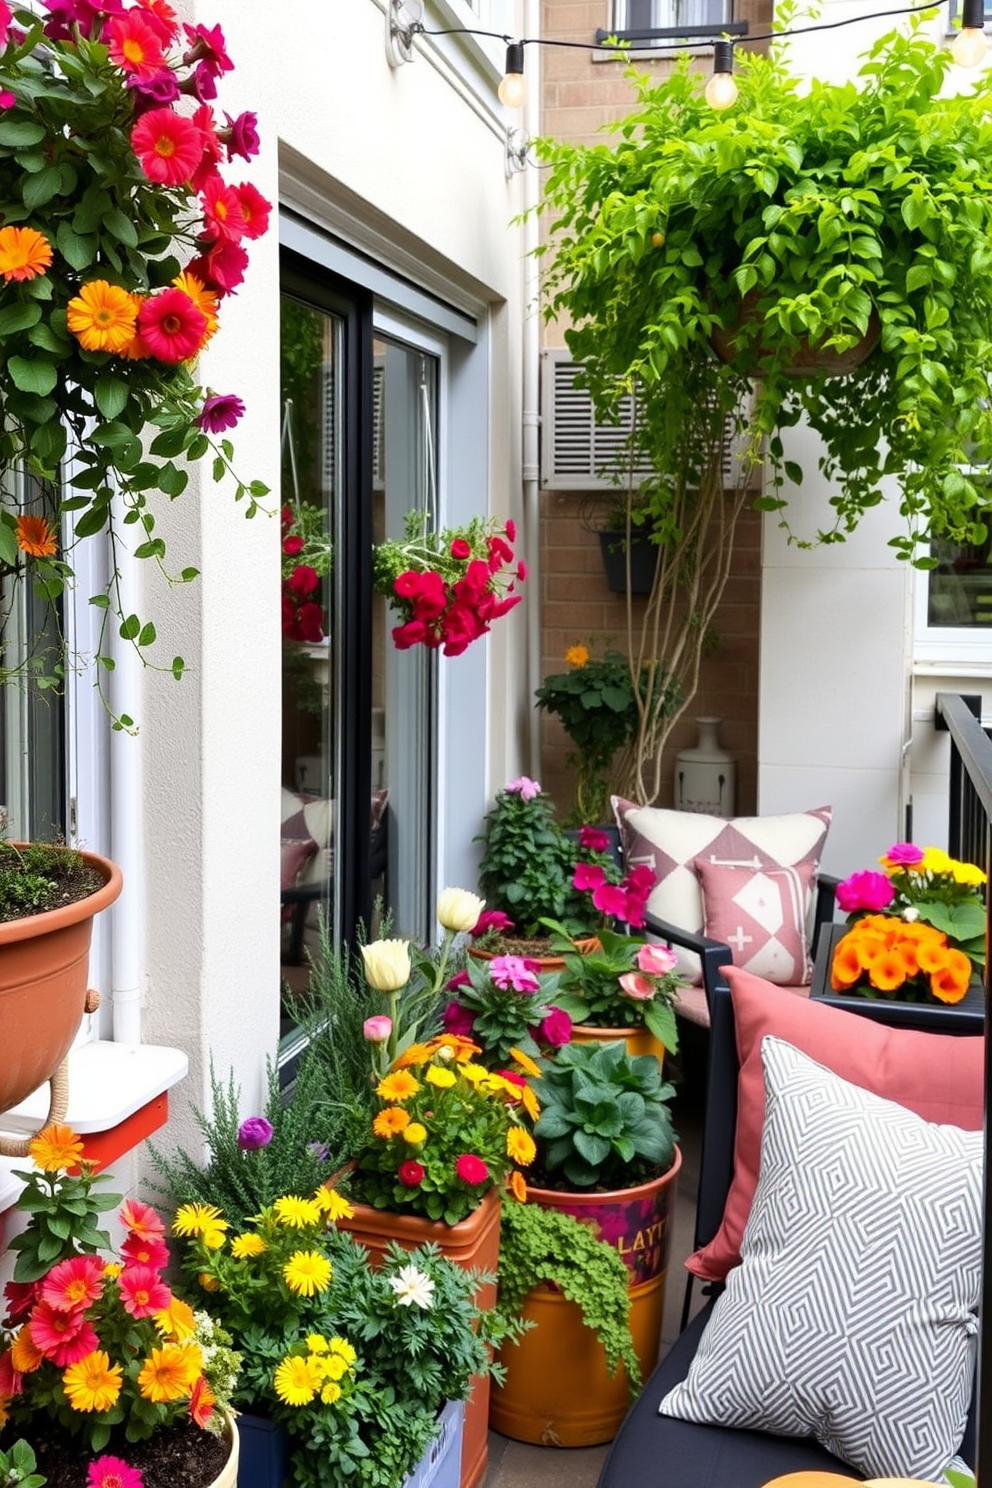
172 327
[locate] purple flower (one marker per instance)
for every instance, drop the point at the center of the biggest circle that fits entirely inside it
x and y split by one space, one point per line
153 92
593 839
254 1133
320 1151
512 971
524 787
904 855
241 135
865 890
555 1029
220 411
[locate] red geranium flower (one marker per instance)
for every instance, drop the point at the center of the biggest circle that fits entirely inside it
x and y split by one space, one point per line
410 1173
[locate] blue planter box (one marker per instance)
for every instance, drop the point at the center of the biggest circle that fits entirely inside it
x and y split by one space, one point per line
263 1459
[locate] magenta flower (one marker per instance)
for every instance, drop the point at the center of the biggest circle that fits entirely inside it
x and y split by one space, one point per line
555 1029
471 1169
113 1472
640 880
156 91
7 99
241 135
657 960
5 19
254 1134
593 839
588 876
633 910
904 855
492 919
512 971
376 1030
524 787
460 979
634 984
458 1020
865 890
219 412
610 899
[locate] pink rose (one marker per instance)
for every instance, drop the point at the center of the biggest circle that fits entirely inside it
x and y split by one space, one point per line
377 1030
657 960
865 890
904 855
634 984
555 1029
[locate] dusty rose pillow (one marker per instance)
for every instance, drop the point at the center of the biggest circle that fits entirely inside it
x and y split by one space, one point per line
938 1075
761 914
295 853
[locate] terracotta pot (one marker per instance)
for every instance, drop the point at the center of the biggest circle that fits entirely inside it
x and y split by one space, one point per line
44 963
544 963
557 1391
472 1244
638 1040
807 359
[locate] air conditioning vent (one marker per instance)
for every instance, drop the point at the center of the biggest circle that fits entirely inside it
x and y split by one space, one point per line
579 454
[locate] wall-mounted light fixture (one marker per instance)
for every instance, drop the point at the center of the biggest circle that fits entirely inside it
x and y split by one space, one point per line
517 145
512 91
404 18
969 46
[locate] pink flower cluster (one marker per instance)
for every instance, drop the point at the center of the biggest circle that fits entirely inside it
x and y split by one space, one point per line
866 890
625 901
303 617
653 962
450 613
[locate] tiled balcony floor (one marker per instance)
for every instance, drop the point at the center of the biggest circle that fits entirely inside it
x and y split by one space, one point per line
515 1464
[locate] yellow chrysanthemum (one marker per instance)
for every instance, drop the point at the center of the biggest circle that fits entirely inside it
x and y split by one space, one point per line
243 1246
193 1219
169 1372
101 316
934 860
520 1146
333 1204
297 1380
440 1077
525 1064
176 1321
213 1237
334 1366
344 1348
330 1392
391 1121
296 1213
398 1085
415 1133
92 1383
317 1343
56 1147
307 1272
577 656
967 873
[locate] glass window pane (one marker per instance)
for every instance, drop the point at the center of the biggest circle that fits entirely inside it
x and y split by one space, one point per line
960 588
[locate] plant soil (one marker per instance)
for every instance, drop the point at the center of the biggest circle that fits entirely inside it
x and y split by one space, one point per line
179 1456
38 878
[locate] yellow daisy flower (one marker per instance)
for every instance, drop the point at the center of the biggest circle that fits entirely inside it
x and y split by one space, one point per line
101 316
397 1086
193 1219
297 1380
297 1213
113 1268
307 1272
344 1348
176 1320
317 1343
56 1147
243 1246
213 1237
415 1133
25 1355
440 1077
170 1372
530 1103
92 1383
333 1204
525 1064
474 1073
334 1366
520 1146
330 1393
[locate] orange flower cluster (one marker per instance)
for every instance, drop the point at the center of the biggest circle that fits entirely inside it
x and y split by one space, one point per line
885 956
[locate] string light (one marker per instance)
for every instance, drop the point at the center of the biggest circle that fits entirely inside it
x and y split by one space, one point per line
721 90
512 91
969 46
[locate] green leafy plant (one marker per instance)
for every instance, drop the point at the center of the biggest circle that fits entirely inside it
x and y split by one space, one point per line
620 982
792 225
119 240
600 709
604 1119
355 1360
538 1245
504 1006
18 1467
42 876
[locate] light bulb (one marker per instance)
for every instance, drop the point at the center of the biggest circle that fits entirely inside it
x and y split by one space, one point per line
721 91
512 90
969 46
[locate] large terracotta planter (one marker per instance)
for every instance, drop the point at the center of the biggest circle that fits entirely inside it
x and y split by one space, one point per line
557 1391
44 961
472 1244
544 963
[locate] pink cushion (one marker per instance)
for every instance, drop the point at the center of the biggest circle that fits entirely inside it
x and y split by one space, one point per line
937 1075
670 843
295 852
761 914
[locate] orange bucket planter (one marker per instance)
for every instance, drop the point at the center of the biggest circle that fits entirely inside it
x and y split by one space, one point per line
472 1244
557 1391
638 1040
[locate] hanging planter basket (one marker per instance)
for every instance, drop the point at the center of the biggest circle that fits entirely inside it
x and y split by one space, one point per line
807 360
643 561
44 962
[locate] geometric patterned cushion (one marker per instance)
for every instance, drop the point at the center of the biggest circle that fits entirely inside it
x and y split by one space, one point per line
852 1316
940 1076
669 842
761 914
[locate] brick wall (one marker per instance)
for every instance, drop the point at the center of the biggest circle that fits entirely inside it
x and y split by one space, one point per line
579 95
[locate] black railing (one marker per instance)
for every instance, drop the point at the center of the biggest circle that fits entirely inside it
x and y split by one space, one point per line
969 837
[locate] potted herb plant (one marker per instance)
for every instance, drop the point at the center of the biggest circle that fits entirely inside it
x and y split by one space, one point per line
789 225
104 1367
607 1155
49 896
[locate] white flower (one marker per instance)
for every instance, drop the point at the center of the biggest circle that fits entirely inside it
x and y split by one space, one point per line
387 964
909 913
412 1288
457 909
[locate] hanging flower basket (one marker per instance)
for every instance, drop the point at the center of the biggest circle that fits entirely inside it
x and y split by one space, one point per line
448 587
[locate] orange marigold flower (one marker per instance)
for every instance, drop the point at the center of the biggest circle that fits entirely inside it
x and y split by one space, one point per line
517 1185
397 1086
952 981
391 1121
56 1147
169 1373
36 537
846 967
24 253
93 1383
888 971
931 954
577 656
203 298
25 1355
520 1146
102 316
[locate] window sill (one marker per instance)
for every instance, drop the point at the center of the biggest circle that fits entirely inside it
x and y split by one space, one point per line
118 1096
